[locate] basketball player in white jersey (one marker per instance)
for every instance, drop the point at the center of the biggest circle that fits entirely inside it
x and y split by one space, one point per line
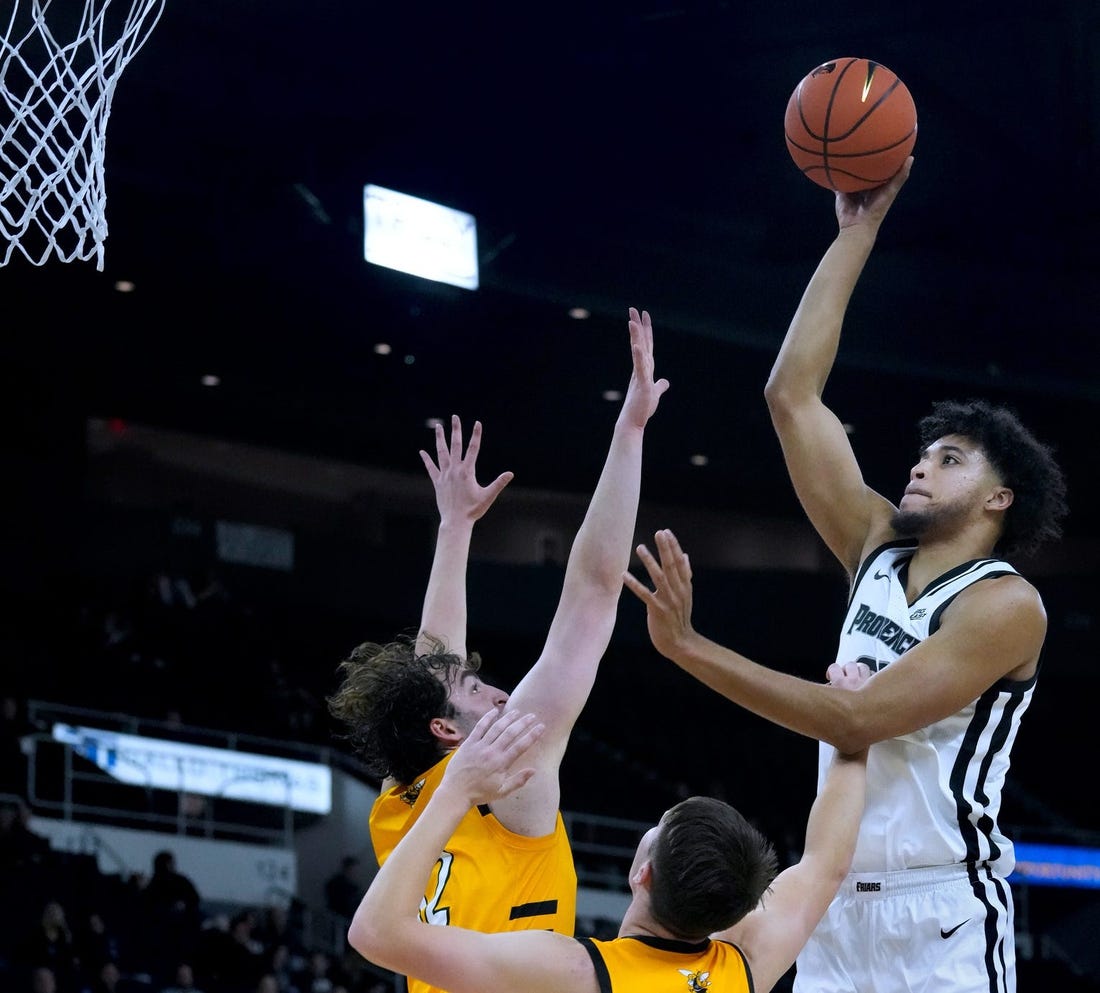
952 636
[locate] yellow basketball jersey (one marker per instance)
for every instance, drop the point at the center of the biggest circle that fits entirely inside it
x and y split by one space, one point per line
487 879
661 965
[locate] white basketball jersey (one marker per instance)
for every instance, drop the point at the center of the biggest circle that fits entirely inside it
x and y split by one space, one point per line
933 796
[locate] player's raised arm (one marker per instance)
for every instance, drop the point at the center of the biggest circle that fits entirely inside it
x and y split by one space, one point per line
773 935
557 686
461 502
817 451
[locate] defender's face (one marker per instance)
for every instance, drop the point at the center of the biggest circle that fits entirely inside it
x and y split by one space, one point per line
472 699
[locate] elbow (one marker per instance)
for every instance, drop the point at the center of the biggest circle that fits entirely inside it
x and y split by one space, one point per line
842 867
853 735
780 398
359 938
366 939
773 391
852 731
790 392
850 741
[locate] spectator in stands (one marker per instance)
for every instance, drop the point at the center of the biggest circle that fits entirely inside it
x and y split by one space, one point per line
108 979
171 893
20 847
281 967
209 949
173 912
279 925
183 981
96 944
43 980
343 891
236 959
319 976
50 944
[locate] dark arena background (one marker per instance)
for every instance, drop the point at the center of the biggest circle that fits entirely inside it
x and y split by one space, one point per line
211 470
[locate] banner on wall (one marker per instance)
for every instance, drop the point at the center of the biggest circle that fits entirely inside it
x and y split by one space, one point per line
217 772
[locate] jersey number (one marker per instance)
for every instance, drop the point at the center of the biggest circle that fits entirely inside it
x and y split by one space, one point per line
430 910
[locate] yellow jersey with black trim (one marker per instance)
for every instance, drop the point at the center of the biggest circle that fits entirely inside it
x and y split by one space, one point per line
487 878
644 964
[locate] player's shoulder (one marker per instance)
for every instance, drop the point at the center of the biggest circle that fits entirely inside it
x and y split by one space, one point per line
1007 590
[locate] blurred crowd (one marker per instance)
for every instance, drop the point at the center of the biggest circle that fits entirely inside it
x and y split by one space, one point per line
69 928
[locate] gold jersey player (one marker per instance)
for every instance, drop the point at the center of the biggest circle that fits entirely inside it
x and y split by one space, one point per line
949 631
507 866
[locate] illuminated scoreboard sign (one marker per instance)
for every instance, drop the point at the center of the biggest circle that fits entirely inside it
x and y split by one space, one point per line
216 772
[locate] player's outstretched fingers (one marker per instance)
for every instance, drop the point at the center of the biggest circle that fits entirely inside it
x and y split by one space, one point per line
475 443
456 437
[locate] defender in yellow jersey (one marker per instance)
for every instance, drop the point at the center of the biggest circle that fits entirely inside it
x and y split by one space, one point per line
409 705
488 878
708 912
646 964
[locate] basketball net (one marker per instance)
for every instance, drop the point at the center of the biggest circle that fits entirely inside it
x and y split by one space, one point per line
55 98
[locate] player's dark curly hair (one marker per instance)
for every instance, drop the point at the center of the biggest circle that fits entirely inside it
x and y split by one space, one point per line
1024 463
388 698
710 868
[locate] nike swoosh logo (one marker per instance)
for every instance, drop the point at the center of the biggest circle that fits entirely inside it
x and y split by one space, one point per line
947 934
882 575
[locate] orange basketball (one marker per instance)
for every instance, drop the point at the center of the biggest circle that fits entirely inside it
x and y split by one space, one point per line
850 124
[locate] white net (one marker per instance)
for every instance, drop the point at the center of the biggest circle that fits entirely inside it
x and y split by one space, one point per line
58 70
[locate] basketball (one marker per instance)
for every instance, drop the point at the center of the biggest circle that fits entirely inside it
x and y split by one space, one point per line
850 124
